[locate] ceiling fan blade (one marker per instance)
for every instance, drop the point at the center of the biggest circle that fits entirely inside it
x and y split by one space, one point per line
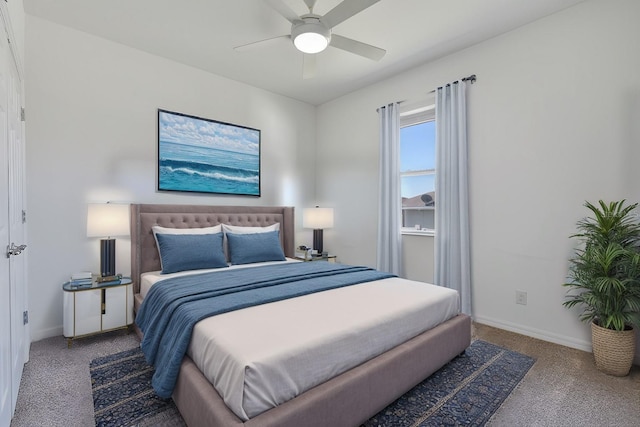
359 48
284 10
308 66
260 43
310 4
345 10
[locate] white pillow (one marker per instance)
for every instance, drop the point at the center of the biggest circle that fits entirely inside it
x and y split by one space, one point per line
236 229
198 230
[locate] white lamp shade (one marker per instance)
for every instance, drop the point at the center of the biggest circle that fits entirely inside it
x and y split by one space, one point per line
317 218
311 42
311 36
107 220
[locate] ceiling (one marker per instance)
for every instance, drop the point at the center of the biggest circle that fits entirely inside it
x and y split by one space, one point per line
203 33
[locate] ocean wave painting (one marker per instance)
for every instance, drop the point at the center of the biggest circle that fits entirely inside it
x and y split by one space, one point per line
206 156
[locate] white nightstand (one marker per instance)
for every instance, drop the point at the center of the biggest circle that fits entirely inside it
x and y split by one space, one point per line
97 308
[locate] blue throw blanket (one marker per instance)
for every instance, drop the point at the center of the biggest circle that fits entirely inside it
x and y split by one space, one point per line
173 306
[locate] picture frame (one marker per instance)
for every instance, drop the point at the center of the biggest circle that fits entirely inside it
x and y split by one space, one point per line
201 155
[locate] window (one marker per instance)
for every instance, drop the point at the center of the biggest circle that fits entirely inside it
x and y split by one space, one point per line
418 168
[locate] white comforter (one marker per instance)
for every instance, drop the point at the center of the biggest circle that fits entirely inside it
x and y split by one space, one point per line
262 356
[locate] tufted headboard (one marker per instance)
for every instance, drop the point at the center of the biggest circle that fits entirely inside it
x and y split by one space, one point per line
144 253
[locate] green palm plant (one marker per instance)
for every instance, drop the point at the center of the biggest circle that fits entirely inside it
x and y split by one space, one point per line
604 275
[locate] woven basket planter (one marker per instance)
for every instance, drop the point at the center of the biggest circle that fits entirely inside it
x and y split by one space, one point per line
613 350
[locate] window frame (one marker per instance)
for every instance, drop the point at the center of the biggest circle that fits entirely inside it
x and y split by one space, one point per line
411 115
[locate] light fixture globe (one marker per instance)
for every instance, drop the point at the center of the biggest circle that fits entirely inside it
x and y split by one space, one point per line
310 36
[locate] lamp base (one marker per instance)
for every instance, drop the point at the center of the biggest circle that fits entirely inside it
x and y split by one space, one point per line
107 257
317 240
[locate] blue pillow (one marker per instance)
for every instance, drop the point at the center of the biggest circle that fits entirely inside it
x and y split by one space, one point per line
255 247
180 252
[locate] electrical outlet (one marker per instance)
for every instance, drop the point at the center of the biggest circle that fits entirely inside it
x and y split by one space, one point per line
521 297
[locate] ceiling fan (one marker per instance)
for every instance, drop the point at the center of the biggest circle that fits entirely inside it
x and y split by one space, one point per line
311 33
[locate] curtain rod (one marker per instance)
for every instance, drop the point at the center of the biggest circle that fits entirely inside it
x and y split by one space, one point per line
472 79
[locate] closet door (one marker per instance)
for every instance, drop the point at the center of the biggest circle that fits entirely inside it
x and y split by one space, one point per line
14 335
17 234
6 380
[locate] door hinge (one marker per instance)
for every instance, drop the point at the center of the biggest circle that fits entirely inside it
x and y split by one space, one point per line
25 317
22 114
24 216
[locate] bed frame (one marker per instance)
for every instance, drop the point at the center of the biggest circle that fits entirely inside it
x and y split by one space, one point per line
346 400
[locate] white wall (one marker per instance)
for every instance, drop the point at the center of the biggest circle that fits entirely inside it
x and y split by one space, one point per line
418 257
91 137
554 120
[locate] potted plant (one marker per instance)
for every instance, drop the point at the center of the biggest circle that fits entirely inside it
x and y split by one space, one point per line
604 279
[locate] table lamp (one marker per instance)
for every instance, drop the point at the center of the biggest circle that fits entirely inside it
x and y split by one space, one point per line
318 219
106 220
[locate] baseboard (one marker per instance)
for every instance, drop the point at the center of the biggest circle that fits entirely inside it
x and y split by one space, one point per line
46 333
546 336
536 333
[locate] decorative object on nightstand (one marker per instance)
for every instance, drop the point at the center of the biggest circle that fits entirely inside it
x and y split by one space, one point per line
81 279
318 219
96 307
303 252
328 258
107 220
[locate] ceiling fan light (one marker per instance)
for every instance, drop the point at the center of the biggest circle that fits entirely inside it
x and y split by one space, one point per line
311 36
311 42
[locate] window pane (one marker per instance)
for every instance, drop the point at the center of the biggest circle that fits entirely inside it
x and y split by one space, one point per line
423 218
416 185
417 180
418 147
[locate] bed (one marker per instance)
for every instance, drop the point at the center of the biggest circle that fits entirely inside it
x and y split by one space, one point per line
349 398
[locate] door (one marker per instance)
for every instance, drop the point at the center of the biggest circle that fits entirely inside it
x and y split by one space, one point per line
88 311
14 335
6 378
20 340
115 307
6 381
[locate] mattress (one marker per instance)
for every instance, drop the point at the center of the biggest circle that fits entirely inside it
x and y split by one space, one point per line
262 356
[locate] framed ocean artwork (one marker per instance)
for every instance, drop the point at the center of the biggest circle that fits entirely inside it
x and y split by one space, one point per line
207 156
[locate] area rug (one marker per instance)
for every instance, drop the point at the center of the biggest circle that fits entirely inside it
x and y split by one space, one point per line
466 391
123 396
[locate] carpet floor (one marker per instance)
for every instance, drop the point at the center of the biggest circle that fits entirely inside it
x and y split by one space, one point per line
562 389
467 391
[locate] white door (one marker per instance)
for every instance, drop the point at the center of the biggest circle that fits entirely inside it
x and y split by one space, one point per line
20 340
14 334
6 382
115 304
87 311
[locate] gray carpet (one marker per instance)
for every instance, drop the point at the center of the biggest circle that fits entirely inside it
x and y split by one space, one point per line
563 388
56 385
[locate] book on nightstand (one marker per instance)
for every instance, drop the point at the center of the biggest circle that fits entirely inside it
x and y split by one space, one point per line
81 279
107 279
81 275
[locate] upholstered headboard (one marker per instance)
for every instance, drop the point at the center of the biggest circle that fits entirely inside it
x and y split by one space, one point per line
144 253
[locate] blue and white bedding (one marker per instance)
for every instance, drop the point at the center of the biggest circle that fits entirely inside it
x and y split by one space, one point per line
259 357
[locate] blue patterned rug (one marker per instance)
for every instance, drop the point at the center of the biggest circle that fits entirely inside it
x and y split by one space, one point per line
465 392
122 393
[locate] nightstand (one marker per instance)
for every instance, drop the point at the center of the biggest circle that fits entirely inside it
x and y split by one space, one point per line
328 258
96 308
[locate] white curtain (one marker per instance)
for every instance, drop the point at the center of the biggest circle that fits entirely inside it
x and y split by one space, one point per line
389 256
453 253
